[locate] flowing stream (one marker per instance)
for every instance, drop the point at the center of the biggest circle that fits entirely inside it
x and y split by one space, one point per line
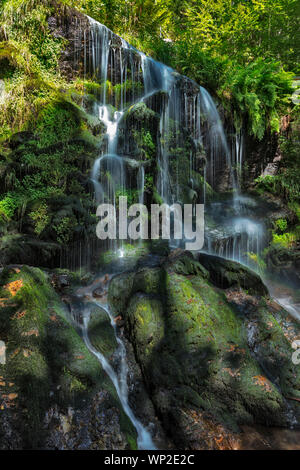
119 379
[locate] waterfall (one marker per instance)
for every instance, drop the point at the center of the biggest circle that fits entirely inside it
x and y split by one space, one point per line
81 317
119 380
239 235
191 146
141 183
219 154
190 133
238 152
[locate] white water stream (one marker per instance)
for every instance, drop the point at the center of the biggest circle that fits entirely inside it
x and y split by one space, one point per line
119 379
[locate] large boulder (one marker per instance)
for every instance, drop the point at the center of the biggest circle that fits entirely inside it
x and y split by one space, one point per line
198 356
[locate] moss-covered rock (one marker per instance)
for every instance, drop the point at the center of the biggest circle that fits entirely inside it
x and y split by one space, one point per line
195 351
183 262
271 332
53 392
120 291
100 331
225 273
283 262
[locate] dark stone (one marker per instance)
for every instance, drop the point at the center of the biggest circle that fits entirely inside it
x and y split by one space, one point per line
203 370
99 292
227 274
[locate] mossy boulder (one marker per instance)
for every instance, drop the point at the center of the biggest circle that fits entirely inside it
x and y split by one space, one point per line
54 393
271 331
100 331
194 350
120 291
183 262
227 274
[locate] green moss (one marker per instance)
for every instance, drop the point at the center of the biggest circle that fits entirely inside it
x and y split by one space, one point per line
281 225
275 332
226 274
144 320
187 265
101 332
140 112
193 348
45 354
286 239
119 292
57 122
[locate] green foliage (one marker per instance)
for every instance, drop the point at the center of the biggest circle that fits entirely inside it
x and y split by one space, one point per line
266 183
65 229
7 207
281 225
286 240
257 261
295 207
56 123
29 19
40 218
286 183
259 90
131 194
144 142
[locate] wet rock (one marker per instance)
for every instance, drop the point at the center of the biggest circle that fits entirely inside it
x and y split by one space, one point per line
196 355
99 292
119 321
140 401
54 392
225 274
95 427
271 168
183 262
100 331
284 263
119 292
271 332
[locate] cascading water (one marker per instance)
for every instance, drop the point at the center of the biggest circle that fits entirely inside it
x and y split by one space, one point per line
141 183
119 380
186 110
237 233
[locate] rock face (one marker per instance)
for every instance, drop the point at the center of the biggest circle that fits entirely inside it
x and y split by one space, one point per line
229 274
209 363
53 391
284 263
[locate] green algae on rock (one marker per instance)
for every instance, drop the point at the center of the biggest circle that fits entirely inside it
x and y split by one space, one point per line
53 386
194 350
226 273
